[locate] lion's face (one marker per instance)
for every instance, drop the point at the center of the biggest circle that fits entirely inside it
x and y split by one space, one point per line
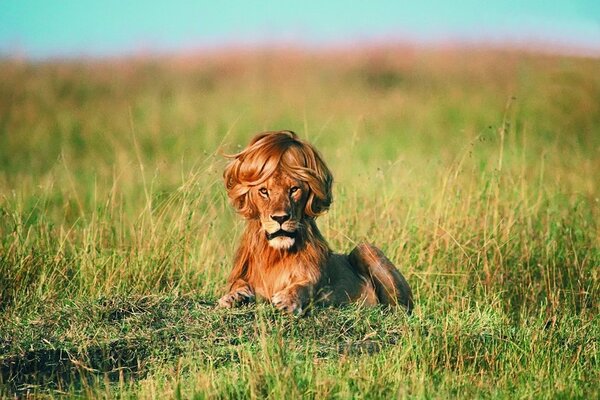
280 202
281 181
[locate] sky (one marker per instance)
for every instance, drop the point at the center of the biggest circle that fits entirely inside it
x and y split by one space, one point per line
68 28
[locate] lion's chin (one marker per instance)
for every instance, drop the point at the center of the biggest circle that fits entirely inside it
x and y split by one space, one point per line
282 242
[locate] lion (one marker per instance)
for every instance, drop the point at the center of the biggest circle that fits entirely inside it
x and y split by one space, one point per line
280 185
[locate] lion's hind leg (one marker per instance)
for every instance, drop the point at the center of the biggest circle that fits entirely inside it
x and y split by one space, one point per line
390 286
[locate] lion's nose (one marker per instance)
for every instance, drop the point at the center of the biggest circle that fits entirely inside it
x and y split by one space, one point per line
280 218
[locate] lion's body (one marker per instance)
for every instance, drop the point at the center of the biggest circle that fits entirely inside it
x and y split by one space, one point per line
328 278
280 185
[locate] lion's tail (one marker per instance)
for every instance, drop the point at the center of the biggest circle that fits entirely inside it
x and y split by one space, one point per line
390 286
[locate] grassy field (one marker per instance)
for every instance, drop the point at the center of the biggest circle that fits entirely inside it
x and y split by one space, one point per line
476 171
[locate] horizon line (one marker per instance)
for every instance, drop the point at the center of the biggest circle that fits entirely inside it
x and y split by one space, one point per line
541 46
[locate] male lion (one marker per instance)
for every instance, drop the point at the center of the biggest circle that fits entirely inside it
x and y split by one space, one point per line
280 184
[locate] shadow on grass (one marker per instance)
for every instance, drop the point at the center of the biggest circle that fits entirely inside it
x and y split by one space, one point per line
62 369
70 346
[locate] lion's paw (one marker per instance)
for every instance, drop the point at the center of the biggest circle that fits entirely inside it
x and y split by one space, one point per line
236 297
287 302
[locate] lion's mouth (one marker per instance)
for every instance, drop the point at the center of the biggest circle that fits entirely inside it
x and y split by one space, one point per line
280 233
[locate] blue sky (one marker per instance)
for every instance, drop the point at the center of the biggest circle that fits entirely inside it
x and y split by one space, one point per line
44 28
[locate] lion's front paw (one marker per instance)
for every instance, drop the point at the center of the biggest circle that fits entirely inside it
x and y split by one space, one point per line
236 297
288 302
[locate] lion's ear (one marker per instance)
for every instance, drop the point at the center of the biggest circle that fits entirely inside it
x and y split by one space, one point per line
237 191
321 183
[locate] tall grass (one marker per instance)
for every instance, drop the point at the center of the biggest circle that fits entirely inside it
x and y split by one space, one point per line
475 171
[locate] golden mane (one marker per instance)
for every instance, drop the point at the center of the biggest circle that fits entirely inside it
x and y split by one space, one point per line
269 152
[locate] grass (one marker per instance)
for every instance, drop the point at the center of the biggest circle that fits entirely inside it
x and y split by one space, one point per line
475 170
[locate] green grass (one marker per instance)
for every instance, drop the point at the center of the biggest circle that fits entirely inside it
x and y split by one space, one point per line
475 171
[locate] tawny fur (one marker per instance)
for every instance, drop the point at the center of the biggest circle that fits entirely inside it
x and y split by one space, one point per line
280 184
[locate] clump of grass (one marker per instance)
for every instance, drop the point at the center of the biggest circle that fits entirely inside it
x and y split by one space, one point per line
477 179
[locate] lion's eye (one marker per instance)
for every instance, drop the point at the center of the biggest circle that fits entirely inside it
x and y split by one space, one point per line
263 191
294 189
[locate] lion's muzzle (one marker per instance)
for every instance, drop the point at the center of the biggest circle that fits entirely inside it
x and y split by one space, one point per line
281 238
281 230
